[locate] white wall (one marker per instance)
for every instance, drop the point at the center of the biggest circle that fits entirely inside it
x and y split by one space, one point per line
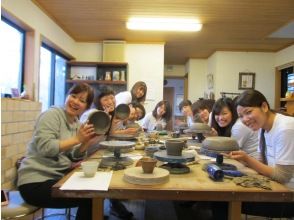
90 52
196 78
146 64
284 56
174 70
225 67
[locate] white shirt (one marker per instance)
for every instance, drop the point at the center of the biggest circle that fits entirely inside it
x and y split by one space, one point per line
150 122
123 98
280 143
246 138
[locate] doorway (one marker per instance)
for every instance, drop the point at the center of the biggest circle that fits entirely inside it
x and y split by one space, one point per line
174 92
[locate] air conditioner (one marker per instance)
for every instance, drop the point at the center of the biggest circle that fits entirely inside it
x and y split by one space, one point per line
113 51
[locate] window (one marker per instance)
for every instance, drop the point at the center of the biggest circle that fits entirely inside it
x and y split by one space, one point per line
52 77
12 56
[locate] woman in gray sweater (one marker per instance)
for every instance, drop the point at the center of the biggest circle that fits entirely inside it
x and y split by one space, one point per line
58 141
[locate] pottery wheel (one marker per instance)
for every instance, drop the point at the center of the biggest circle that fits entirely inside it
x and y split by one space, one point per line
162 156
123 136
117 161
176 168
135 175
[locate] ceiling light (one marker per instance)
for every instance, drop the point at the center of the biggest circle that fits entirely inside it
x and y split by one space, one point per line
164 24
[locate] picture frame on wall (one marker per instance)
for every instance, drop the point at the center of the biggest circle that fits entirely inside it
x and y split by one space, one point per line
210 81
246 81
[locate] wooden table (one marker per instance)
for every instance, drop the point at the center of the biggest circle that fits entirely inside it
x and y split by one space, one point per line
194 186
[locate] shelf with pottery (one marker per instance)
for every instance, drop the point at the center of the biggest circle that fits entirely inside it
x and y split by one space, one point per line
289 104
97 81
113 74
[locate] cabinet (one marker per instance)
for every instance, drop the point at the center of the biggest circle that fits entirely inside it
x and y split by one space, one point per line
113 74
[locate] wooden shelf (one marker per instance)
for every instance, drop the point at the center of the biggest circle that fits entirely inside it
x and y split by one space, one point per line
81 63
287 99
97 81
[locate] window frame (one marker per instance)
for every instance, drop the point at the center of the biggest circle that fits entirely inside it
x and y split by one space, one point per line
22 65
54 53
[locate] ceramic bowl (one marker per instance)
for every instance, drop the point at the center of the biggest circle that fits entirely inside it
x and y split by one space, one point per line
100 120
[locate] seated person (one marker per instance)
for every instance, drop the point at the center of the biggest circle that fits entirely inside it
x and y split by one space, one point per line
128 126
202 110
158 118
276 145
59 140
137 94
185 108
225 122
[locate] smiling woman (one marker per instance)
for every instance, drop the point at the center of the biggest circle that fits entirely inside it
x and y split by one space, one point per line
59 140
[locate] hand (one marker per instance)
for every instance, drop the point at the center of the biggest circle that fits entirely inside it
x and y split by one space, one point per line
131 130
86 132
94 140
108 109
213 132
238 155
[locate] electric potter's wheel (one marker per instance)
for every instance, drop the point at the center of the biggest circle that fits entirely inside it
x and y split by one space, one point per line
197 130
117 162
175 163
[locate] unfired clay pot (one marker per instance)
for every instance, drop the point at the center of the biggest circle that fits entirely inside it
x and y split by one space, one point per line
174 147
148 164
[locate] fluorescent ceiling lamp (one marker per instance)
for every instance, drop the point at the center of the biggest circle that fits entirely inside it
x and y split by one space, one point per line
164 24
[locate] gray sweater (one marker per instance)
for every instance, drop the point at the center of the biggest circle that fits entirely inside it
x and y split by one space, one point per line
44 161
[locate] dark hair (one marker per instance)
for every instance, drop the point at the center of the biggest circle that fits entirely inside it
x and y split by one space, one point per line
251 98
202 104
83 87
134 89
103 91
184 103
168 111
216 110
139 106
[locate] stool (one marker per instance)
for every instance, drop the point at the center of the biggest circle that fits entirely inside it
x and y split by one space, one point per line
16 207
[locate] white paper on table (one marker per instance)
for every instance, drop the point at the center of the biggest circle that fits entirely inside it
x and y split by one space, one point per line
78 181
204 157
134 156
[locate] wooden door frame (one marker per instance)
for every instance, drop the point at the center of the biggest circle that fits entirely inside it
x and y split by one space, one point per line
185 78
278 94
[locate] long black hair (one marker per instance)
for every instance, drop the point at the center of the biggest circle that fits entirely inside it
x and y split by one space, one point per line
168 111
216 110
134 89
251 98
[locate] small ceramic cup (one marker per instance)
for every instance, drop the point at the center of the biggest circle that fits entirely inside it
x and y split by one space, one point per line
89 168
148 164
